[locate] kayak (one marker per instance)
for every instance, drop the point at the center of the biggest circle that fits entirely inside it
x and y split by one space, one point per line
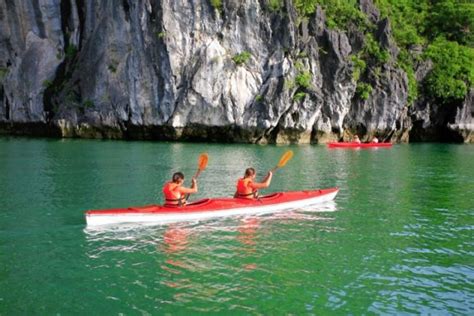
208 208
358 145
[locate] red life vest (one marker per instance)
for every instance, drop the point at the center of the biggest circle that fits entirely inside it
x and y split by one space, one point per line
172 195
244 190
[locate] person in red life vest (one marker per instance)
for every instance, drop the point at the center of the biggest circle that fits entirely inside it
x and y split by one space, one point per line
247 188
175 193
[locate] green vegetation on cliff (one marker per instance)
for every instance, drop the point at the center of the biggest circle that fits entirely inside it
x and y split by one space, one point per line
443 29
3 72
439 30
217 4
338 12
241 58
453 70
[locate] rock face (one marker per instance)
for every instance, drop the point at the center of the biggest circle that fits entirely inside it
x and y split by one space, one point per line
31 37
242 72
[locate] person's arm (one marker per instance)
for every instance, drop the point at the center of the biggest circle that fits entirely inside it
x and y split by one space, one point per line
264 184
193 189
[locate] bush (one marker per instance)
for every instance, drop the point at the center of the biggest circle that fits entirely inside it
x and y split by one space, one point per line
303 79
241 58
71 51
453 71
358 67
453 19
305 7
372 48
407 17
364 90
113 65
448 24
47 83
342 13
216 4
416 21
299 96
339 13
275 5
160 34
3 72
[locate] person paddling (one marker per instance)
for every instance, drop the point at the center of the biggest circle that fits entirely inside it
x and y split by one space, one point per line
247 188
175 193
356 139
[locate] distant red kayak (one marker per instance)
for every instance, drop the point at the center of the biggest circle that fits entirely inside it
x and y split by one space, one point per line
206 208
358 145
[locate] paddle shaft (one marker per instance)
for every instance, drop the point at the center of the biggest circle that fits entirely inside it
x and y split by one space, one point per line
197 173
274 169
195 177
278 167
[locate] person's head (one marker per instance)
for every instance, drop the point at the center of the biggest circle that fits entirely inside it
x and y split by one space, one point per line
178 177
356 137
249 173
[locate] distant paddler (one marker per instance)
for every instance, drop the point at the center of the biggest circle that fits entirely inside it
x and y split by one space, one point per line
356 139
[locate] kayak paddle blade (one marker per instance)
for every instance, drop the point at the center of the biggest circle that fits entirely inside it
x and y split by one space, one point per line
285 158
202 162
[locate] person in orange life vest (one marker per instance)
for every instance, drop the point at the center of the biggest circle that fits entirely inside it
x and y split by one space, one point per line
356 139
247 188
175 193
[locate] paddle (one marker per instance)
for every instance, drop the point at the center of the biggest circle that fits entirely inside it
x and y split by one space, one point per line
202 164
283 160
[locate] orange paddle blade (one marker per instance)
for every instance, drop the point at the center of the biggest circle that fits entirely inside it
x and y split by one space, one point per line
285 158
202 162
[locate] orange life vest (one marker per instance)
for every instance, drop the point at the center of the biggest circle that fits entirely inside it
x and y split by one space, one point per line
172 195
244 190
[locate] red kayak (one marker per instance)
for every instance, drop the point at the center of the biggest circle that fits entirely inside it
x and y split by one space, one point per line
206 208
358 145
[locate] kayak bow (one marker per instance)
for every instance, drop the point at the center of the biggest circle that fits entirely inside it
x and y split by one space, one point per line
207 208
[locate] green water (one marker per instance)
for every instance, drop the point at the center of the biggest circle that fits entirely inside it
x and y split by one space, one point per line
397 240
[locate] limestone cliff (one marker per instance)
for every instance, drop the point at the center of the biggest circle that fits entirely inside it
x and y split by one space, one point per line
165 69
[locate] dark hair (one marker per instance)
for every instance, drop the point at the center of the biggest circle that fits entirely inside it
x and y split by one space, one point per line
249 172
178 176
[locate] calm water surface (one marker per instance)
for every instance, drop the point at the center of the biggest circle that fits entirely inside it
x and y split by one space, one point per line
397 240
